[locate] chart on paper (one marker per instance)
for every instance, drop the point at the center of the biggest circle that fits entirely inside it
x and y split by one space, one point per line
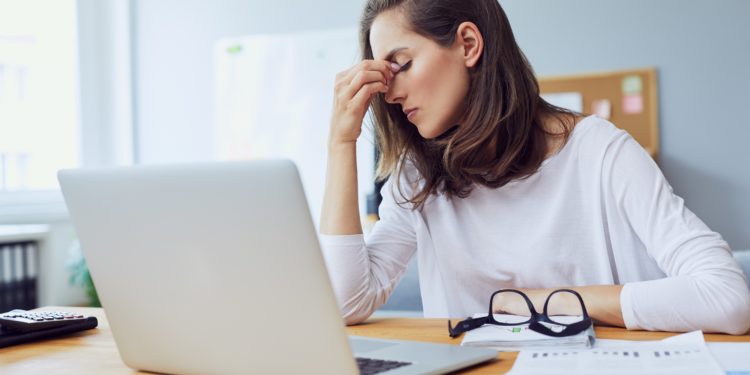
657 359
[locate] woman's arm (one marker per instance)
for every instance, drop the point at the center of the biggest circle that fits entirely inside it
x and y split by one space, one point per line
703 288
354 90
363 275
340 213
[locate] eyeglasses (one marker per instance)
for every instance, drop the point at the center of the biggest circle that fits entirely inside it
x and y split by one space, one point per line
550 322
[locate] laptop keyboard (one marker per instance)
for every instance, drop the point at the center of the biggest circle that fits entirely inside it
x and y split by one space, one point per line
369 366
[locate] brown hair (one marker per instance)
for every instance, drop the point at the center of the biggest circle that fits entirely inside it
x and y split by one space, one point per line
502 137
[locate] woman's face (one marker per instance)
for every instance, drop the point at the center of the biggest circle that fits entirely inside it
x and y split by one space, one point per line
433 80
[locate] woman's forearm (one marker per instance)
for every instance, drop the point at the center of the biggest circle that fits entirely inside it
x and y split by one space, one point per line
602 302
340 212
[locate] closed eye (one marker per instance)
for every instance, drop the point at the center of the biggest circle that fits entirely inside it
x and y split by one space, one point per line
405 67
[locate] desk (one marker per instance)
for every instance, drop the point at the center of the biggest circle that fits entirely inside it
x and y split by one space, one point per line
94 351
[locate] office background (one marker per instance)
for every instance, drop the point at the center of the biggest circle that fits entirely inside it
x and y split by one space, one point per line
158 79
701 49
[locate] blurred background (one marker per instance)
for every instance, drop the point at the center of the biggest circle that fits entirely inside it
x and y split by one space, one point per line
116 82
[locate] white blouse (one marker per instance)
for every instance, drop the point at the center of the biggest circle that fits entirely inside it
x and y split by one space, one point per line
599 212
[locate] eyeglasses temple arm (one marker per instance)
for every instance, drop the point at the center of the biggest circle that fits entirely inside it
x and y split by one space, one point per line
465 325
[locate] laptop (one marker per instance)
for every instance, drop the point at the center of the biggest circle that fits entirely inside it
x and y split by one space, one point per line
216 268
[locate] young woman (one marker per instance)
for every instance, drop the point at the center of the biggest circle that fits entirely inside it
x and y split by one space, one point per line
491 187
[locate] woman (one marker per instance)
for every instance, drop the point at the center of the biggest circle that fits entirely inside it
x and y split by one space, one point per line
491 187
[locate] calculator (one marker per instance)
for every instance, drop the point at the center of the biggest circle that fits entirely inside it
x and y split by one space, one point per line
30 321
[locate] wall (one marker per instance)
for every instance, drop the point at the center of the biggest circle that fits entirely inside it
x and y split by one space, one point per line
700 48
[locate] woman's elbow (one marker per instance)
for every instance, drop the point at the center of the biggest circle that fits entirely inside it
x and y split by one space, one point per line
737 317
358 309
732 315
355 317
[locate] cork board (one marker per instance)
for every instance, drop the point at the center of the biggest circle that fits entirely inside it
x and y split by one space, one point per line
627 98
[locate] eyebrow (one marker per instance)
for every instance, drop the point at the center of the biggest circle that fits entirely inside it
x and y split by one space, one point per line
394 52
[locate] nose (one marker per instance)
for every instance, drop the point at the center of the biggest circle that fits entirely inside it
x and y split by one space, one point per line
395 94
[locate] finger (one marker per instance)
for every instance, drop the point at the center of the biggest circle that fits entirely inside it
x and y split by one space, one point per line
369 65
342 77
360 79
363 96
382 66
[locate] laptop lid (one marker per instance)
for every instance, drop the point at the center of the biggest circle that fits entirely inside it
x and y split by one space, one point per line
209 268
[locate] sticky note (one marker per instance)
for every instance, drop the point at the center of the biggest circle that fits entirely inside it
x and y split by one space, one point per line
602 108
632 104
632 84
235 49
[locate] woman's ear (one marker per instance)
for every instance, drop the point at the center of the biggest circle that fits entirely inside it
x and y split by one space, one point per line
470 43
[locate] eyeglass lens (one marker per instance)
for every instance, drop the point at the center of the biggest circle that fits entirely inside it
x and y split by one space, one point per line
512 303
564 308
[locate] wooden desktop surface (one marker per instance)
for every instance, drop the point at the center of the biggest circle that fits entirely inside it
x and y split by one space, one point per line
94 351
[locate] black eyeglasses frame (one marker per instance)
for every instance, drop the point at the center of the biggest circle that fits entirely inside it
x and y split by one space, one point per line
535 319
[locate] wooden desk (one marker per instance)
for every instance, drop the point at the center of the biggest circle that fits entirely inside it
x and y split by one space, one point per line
94 351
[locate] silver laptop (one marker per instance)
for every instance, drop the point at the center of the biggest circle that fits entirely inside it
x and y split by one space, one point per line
215 268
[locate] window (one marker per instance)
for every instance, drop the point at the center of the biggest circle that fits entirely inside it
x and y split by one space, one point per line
39 127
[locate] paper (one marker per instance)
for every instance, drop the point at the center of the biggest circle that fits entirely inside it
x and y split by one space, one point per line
682 354
637 359
632 104
732 356
568 100
602 108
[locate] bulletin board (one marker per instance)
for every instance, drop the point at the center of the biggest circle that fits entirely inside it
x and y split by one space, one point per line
627 98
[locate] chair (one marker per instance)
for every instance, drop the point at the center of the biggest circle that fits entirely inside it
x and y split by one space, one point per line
406 297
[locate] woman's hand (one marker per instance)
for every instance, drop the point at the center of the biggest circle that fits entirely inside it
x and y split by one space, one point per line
353 92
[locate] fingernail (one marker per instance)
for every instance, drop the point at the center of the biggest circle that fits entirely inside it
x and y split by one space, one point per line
395 67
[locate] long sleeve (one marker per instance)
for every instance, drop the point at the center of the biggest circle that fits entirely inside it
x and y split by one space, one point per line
364 274
705 288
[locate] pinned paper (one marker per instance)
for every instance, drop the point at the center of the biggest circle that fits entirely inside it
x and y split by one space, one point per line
602 108
568 100
632 84
632 104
